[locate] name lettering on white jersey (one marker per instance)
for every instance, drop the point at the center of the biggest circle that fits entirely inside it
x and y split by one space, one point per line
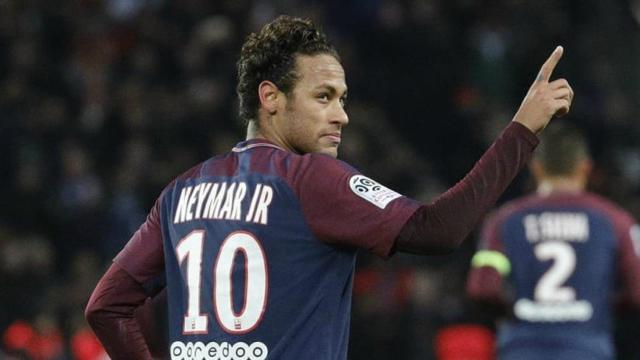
372 191
223 201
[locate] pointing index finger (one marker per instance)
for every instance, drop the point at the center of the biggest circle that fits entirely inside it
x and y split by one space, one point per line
547 68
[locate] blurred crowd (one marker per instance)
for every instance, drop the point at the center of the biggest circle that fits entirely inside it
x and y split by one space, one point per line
103 102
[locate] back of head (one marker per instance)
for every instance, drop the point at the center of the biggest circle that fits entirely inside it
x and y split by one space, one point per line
270 55
562 148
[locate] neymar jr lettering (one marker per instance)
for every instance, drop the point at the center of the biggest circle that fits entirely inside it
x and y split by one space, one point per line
223 201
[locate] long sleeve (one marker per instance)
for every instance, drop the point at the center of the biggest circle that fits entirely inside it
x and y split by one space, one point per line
629 261
441 226
489 266
113 304
111 314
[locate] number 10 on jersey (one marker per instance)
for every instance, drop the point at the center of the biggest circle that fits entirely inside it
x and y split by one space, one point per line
189 251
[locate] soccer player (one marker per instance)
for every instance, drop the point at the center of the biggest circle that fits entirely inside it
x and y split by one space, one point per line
258 244
553 258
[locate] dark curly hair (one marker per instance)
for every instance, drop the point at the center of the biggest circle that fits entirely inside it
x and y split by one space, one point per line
270 55
562 147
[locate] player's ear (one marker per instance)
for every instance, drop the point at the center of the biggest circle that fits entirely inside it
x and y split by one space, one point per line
536 170
584 167
268 94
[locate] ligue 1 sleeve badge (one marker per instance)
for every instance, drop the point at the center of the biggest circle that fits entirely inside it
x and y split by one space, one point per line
372 191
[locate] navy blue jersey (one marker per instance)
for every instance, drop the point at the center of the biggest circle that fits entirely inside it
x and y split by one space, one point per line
561 257
258 246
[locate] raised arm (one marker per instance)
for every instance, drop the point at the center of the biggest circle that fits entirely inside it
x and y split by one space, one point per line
442 225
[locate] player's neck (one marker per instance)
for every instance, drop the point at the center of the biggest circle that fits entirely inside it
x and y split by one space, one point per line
253 131
555 185
256 132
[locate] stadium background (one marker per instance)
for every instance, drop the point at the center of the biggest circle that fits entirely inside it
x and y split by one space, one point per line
102 102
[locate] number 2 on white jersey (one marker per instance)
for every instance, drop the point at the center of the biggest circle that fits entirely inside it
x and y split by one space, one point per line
255 289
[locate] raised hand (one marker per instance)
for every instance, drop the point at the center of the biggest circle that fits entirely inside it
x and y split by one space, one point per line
544 98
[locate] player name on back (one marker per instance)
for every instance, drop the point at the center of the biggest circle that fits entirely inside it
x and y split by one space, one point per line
566 226
223 201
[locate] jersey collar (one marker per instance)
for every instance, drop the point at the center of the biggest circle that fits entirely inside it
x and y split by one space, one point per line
253 143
